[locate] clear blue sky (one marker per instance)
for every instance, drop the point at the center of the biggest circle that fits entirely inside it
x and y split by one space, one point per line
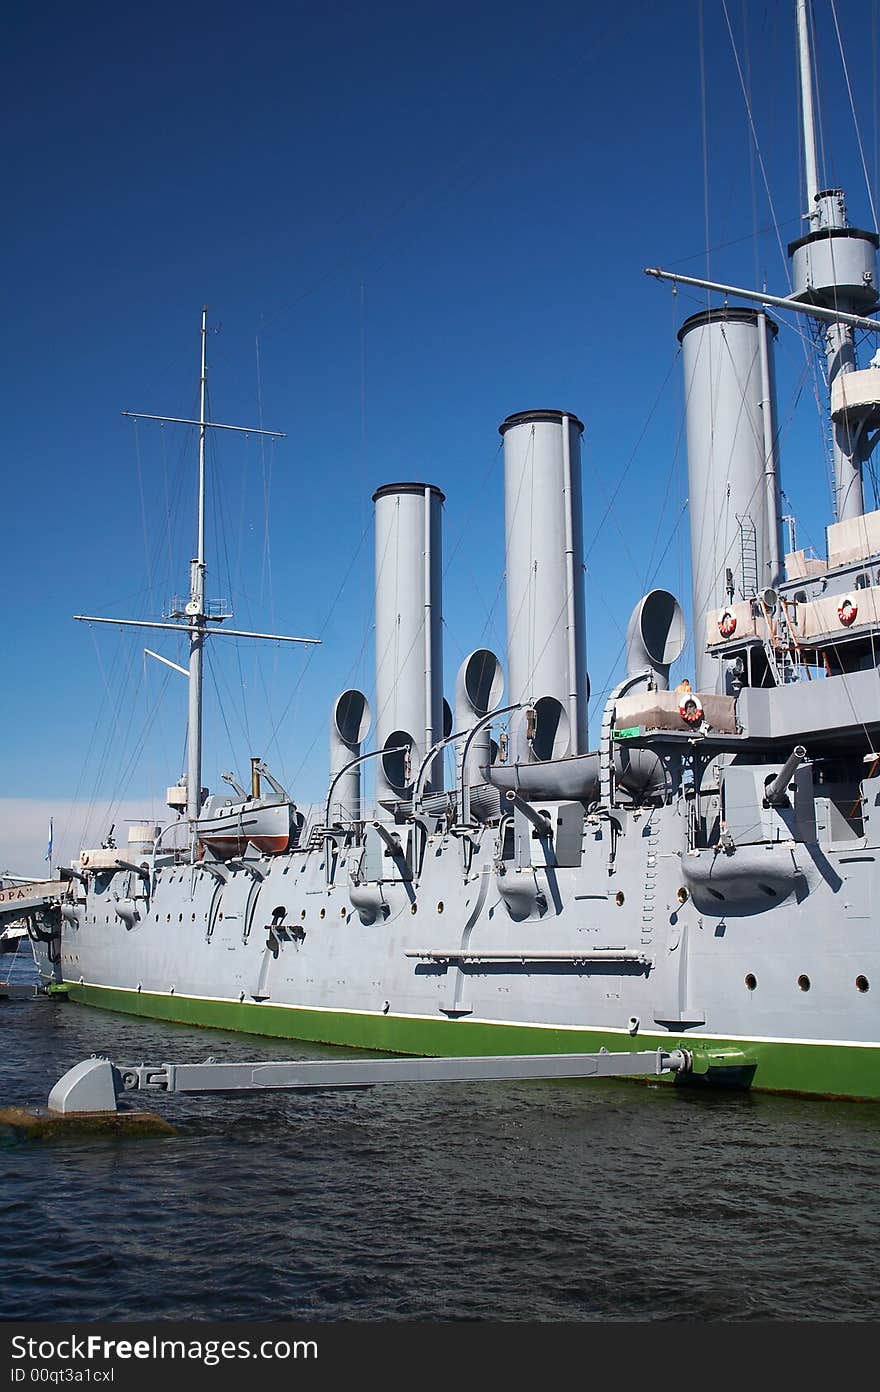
408 221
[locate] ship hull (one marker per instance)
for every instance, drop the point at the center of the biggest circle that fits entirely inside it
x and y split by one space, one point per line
625 950
828 1068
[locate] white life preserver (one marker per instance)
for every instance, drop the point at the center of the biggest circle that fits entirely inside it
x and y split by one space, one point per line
847 611
727 624
690 708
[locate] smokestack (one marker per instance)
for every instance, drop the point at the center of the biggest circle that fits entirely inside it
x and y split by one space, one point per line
409 653
732 486
349 726
655 637
478 690
546 631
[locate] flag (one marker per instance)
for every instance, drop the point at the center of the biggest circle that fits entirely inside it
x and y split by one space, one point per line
49 847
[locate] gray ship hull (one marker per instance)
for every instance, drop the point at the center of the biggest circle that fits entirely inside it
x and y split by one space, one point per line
475 954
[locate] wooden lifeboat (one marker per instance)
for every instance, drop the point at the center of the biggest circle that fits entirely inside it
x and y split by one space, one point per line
228 829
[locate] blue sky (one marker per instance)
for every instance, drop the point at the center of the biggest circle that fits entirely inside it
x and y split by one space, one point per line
408 222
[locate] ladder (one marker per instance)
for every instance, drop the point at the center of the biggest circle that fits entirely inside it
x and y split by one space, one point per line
748 545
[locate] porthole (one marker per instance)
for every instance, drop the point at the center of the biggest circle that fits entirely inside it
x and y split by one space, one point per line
413 908
193 918
619 898
342 913
862 984
180 918
804 983
682 895
303 914
751 982
440 906
323 913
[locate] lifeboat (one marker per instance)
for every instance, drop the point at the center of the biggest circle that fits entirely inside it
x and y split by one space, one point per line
226 828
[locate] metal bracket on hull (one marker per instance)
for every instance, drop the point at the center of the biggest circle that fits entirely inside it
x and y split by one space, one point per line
94 1085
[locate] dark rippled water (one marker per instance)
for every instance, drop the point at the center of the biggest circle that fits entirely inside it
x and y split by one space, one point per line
606 1201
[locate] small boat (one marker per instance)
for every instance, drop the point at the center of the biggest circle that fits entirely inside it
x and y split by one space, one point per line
270 824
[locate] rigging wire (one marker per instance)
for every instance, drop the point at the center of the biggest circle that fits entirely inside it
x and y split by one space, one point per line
757 144
313 648
116 685
140 481
852 108
704 128
596 697
809 346
128 769
670 477
266 573
220 706
875 36
221 531
753 187
349 678
632 455
733 241
226 697
477 498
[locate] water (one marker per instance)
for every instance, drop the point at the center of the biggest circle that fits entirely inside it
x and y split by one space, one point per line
525 1201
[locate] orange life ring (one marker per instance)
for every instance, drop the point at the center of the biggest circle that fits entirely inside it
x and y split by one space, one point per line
727 624
847 610
690 708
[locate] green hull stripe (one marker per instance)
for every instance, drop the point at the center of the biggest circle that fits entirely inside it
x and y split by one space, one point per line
829 1070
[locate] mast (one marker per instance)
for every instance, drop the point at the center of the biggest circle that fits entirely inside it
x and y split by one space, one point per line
835 266
811 168
196 613
193 616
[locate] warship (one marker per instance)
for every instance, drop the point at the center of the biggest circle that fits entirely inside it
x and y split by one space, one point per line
705 877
